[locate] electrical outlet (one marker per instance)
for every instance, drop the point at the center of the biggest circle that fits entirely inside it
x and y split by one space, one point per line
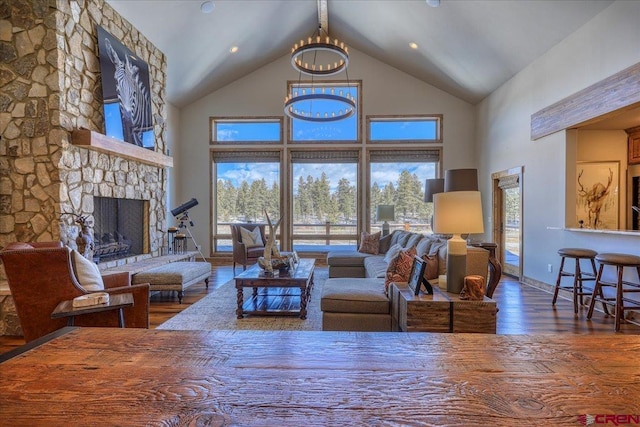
550 268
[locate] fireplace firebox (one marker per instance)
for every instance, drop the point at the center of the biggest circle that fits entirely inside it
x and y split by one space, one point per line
120 229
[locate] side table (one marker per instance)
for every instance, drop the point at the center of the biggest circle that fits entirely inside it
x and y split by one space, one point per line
116 302
440 312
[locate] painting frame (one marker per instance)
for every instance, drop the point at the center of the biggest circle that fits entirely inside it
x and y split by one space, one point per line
126 100
416 277
598 194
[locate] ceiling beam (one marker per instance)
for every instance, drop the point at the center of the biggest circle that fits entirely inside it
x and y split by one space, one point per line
323 15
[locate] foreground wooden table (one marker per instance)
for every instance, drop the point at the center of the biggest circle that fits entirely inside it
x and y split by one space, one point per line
98 376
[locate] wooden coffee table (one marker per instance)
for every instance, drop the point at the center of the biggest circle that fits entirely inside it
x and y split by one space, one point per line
269 291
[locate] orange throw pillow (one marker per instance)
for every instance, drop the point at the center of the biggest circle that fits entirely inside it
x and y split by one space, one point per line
400 268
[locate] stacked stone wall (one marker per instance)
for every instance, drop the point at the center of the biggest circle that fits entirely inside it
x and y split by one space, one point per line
50 75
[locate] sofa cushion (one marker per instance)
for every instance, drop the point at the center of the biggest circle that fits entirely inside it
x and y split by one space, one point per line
402 237
400 268
385 243
393 252
375 266
422 248
369 243
413 240
357 295
346 258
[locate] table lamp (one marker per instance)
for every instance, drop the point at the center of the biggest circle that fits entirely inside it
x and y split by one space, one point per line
457 212
461 180
385 213
431 187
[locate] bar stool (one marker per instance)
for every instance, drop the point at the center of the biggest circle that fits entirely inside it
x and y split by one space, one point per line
620 261
179 243
578 275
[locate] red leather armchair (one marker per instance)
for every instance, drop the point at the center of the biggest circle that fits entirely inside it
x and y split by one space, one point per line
41 276
243 254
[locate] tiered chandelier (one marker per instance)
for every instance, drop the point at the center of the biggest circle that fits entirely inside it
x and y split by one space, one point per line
314 102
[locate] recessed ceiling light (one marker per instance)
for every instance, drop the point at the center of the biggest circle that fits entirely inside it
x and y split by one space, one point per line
413 45
233 49
207 6
433 3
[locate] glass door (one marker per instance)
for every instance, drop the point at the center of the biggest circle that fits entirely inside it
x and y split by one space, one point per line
507 207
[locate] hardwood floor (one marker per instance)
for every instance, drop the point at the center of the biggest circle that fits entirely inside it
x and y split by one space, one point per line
522 310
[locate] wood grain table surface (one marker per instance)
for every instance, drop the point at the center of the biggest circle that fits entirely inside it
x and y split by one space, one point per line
100 376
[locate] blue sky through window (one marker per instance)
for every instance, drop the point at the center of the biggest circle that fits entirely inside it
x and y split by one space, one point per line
248 131
397 130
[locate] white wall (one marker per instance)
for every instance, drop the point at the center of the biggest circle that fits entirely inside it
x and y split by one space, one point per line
386 90
602 47
172 126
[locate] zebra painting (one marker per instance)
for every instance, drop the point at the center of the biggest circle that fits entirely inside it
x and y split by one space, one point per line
127 95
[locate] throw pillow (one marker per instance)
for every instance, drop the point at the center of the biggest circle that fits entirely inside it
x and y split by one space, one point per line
87 273
431 269
392 253
251 238
400 268
369 243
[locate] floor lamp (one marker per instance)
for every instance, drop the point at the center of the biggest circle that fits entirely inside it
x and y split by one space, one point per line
385 213
457 212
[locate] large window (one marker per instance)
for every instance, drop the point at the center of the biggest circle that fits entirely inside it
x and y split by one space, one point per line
325 191
397 178
247 184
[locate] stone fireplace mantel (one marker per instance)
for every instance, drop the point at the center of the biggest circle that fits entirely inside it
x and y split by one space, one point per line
106 144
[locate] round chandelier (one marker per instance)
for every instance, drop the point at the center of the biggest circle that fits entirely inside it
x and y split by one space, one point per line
319 56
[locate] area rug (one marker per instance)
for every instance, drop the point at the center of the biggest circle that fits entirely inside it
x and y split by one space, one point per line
218 311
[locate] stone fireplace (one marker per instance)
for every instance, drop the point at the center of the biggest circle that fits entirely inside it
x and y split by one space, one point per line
54 159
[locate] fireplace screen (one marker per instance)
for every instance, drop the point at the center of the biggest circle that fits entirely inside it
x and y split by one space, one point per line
119 229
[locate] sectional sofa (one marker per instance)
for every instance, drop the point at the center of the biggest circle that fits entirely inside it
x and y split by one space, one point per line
354 297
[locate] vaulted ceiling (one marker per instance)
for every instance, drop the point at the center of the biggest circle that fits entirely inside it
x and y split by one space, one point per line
467 48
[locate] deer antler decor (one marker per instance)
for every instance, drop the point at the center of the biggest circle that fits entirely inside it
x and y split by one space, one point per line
271 252
84 239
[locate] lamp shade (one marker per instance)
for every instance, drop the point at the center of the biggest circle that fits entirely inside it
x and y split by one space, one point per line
431 187
385 213
458 212
461 180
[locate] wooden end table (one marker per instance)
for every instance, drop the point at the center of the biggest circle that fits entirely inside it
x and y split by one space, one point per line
116 302
440 312
262 303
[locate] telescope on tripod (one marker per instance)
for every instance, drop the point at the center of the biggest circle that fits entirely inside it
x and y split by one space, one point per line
182 215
